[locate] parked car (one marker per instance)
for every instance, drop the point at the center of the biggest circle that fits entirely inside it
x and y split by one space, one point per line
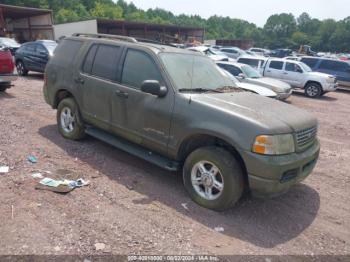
247 74
299 75
7 68
252 88
233 52
281 53
340 69
178 110
9 43
259 51
33 56
257 62
211 53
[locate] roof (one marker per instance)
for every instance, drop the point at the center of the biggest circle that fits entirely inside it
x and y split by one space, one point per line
16 12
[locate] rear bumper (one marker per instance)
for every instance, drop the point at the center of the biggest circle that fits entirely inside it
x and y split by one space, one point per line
273 175
8 77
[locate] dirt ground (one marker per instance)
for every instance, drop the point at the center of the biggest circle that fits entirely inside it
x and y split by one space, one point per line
133 207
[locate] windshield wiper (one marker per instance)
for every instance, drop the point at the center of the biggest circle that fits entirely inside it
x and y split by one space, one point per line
226 89
200 90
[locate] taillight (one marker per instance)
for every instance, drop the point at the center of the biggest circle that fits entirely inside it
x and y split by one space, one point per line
7 65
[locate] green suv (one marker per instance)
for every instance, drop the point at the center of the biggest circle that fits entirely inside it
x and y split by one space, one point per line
178 110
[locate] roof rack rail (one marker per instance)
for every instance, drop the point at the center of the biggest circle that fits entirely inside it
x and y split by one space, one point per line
115 37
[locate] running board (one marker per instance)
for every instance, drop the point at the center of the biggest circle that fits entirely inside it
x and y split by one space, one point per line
133 149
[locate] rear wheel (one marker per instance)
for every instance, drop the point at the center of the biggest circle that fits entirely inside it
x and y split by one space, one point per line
68 120
21 69
213 178
313 90
3 87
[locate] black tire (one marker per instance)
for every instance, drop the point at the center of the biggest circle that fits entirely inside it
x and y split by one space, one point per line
3 88
21 69
231 174
313 90
77 130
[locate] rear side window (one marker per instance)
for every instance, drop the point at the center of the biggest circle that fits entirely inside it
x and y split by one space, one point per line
276 65
29 48
66 52
138 67
105 62
311 62
89 59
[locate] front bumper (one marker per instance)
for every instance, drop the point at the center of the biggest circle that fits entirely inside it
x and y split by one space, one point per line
329 87
284 96
8 78
273 175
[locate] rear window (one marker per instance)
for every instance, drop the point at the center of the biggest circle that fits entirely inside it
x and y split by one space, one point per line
278 65
311 62
251 62
105 62
66 51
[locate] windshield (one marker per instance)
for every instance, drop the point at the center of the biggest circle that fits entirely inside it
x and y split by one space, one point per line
305 67
192 71
9 42
250 72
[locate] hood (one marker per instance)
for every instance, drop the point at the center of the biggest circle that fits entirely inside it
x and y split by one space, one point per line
319 74
272 115
273 84
263 91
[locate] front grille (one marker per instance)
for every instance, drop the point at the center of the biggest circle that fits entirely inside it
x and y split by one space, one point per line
306 137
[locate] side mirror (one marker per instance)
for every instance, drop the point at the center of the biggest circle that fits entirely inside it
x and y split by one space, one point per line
241 75
153 87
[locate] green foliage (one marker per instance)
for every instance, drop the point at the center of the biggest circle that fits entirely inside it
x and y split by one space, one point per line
280 31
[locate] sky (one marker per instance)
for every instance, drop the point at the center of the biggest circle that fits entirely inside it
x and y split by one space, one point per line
254 11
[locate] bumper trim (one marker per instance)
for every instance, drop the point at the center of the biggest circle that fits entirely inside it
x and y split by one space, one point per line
8 77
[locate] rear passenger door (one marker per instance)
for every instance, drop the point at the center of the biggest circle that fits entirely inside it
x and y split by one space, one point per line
274 69
140 117
97 82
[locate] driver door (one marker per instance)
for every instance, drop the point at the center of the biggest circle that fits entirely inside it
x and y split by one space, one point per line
293 74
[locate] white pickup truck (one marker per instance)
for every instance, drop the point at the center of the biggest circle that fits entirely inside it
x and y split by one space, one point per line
296 73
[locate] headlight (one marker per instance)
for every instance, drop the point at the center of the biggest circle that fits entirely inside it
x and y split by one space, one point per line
274 144
331 79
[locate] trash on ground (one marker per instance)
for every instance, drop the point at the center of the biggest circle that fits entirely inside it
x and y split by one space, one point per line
219 229
32 159
100 246
60 186
37 175
4 169
184 205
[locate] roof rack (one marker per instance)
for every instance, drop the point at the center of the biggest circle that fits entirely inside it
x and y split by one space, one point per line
115 37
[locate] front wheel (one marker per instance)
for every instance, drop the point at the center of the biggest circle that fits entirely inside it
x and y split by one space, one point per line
68 120
313 90
213 178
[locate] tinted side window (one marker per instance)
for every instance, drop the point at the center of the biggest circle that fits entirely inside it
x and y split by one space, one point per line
105 62
276 65
233 70
40 48
66 52
327 64
30 48
311 62
138 67
341 66
89 59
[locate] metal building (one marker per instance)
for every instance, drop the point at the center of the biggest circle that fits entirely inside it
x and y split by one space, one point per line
158 32
25 23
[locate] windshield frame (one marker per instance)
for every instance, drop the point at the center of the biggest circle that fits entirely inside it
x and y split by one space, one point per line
305 67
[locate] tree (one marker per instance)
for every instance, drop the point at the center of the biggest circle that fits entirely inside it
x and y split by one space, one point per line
65 15
107 11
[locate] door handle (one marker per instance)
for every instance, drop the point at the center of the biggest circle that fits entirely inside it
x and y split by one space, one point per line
285 73
269 71
79 80
121 94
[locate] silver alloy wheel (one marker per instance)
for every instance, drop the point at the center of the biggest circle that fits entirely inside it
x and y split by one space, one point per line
67 120
207 180
312 90
20 68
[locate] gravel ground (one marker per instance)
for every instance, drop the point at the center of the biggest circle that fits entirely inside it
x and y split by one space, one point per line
133 207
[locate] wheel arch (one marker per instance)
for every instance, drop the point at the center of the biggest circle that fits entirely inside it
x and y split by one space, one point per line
60 95
196 141
313 82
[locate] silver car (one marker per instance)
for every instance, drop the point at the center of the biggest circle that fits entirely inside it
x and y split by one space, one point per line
248 74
